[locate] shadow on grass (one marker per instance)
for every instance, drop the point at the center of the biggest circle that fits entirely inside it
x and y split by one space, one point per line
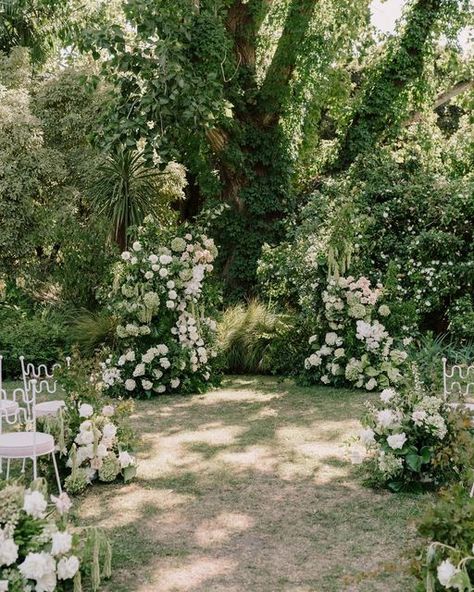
248 488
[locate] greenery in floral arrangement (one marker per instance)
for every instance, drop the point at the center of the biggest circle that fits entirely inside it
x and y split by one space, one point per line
40 549
415 438
446 560
352 344
93 436
162 298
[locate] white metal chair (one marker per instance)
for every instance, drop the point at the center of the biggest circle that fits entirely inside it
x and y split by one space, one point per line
29 443
45 381
8 407
463 386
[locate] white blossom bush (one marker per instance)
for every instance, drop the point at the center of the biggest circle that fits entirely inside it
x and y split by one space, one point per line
352 344
39 549
414 437
97 452
160 296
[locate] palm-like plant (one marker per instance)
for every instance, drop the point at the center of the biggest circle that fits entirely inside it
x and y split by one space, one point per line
125 191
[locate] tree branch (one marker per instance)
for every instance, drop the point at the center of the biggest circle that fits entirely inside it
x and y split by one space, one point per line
443 98
275 88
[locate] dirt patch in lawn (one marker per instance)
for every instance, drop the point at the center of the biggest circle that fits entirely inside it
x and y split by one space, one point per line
248 488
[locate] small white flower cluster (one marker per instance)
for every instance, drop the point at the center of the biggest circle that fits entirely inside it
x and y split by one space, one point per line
97 451
53 557
158 296
402 430
357 347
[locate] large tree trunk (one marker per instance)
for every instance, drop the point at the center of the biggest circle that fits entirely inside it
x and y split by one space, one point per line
383 106
252 156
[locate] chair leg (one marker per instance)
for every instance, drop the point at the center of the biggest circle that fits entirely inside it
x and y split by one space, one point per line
1 465
23 465
472 490
58 480
35 468
8 469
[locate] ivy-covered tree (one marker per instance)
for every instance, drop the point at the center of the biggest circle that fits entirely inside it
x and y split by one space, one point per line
223 87
397 81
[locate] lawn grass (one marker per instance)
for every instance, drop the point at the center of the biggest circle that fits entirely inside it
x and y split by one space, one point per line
248 488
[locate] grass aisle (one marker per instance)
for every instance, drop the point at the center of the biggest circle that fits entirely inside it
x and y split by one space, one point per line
248 489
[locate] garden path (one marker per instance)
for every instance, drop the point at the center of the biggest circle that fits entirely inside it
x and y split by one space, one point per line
248 488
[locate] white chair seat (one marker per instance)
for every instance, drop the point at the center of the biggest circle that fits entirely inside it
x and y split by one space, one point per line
49 408
8 407
25 444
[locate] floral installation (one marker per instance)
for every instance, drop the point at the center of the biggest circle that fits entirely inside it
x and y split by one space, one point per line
93 436
97 452
166 341
446 560
413 437
353 345
39 549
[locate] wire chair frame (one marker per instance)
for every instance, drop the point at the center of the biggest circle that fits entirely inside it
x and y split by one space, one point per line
28 412
463 386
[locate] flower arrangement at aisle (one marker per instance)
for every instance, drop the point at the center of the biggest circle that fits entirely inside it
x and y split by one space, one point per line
353 344
97 453
446 561
93 437
40 550
413 437
160 296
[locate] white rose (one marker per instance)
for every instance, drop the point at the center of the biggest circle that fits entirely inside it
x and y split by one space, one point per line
108 410
165 259
137 246
126 255
160 388
387 394
102 448
35 504
172 295
396 441
85 426
371 384
84 438
170 284
153 259
446 571
385 418
175 383
86 410
8 551
139 370
125 459
40 567
170 304
147 384
109 430
62 543
149 275
163 272
67 567
130 384
331 338
165 363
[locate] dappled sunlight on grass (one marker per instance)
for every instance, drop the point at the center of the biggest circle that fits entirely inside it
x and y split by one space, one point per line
250 488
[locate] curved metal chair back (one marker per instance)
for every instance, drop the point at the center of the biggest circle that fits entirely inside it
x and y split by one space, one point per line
463 383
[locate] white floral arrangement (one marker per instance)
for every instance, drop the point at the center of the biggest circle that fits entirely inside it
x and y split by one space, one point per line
353 345
451 575
166 340
39 550
97 453
407 434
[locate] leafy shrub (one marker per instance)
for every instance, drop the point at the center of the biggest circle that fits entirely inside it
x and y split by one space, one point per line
352 344
414 437
91 331
446 560
161 297
40 336
249 335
